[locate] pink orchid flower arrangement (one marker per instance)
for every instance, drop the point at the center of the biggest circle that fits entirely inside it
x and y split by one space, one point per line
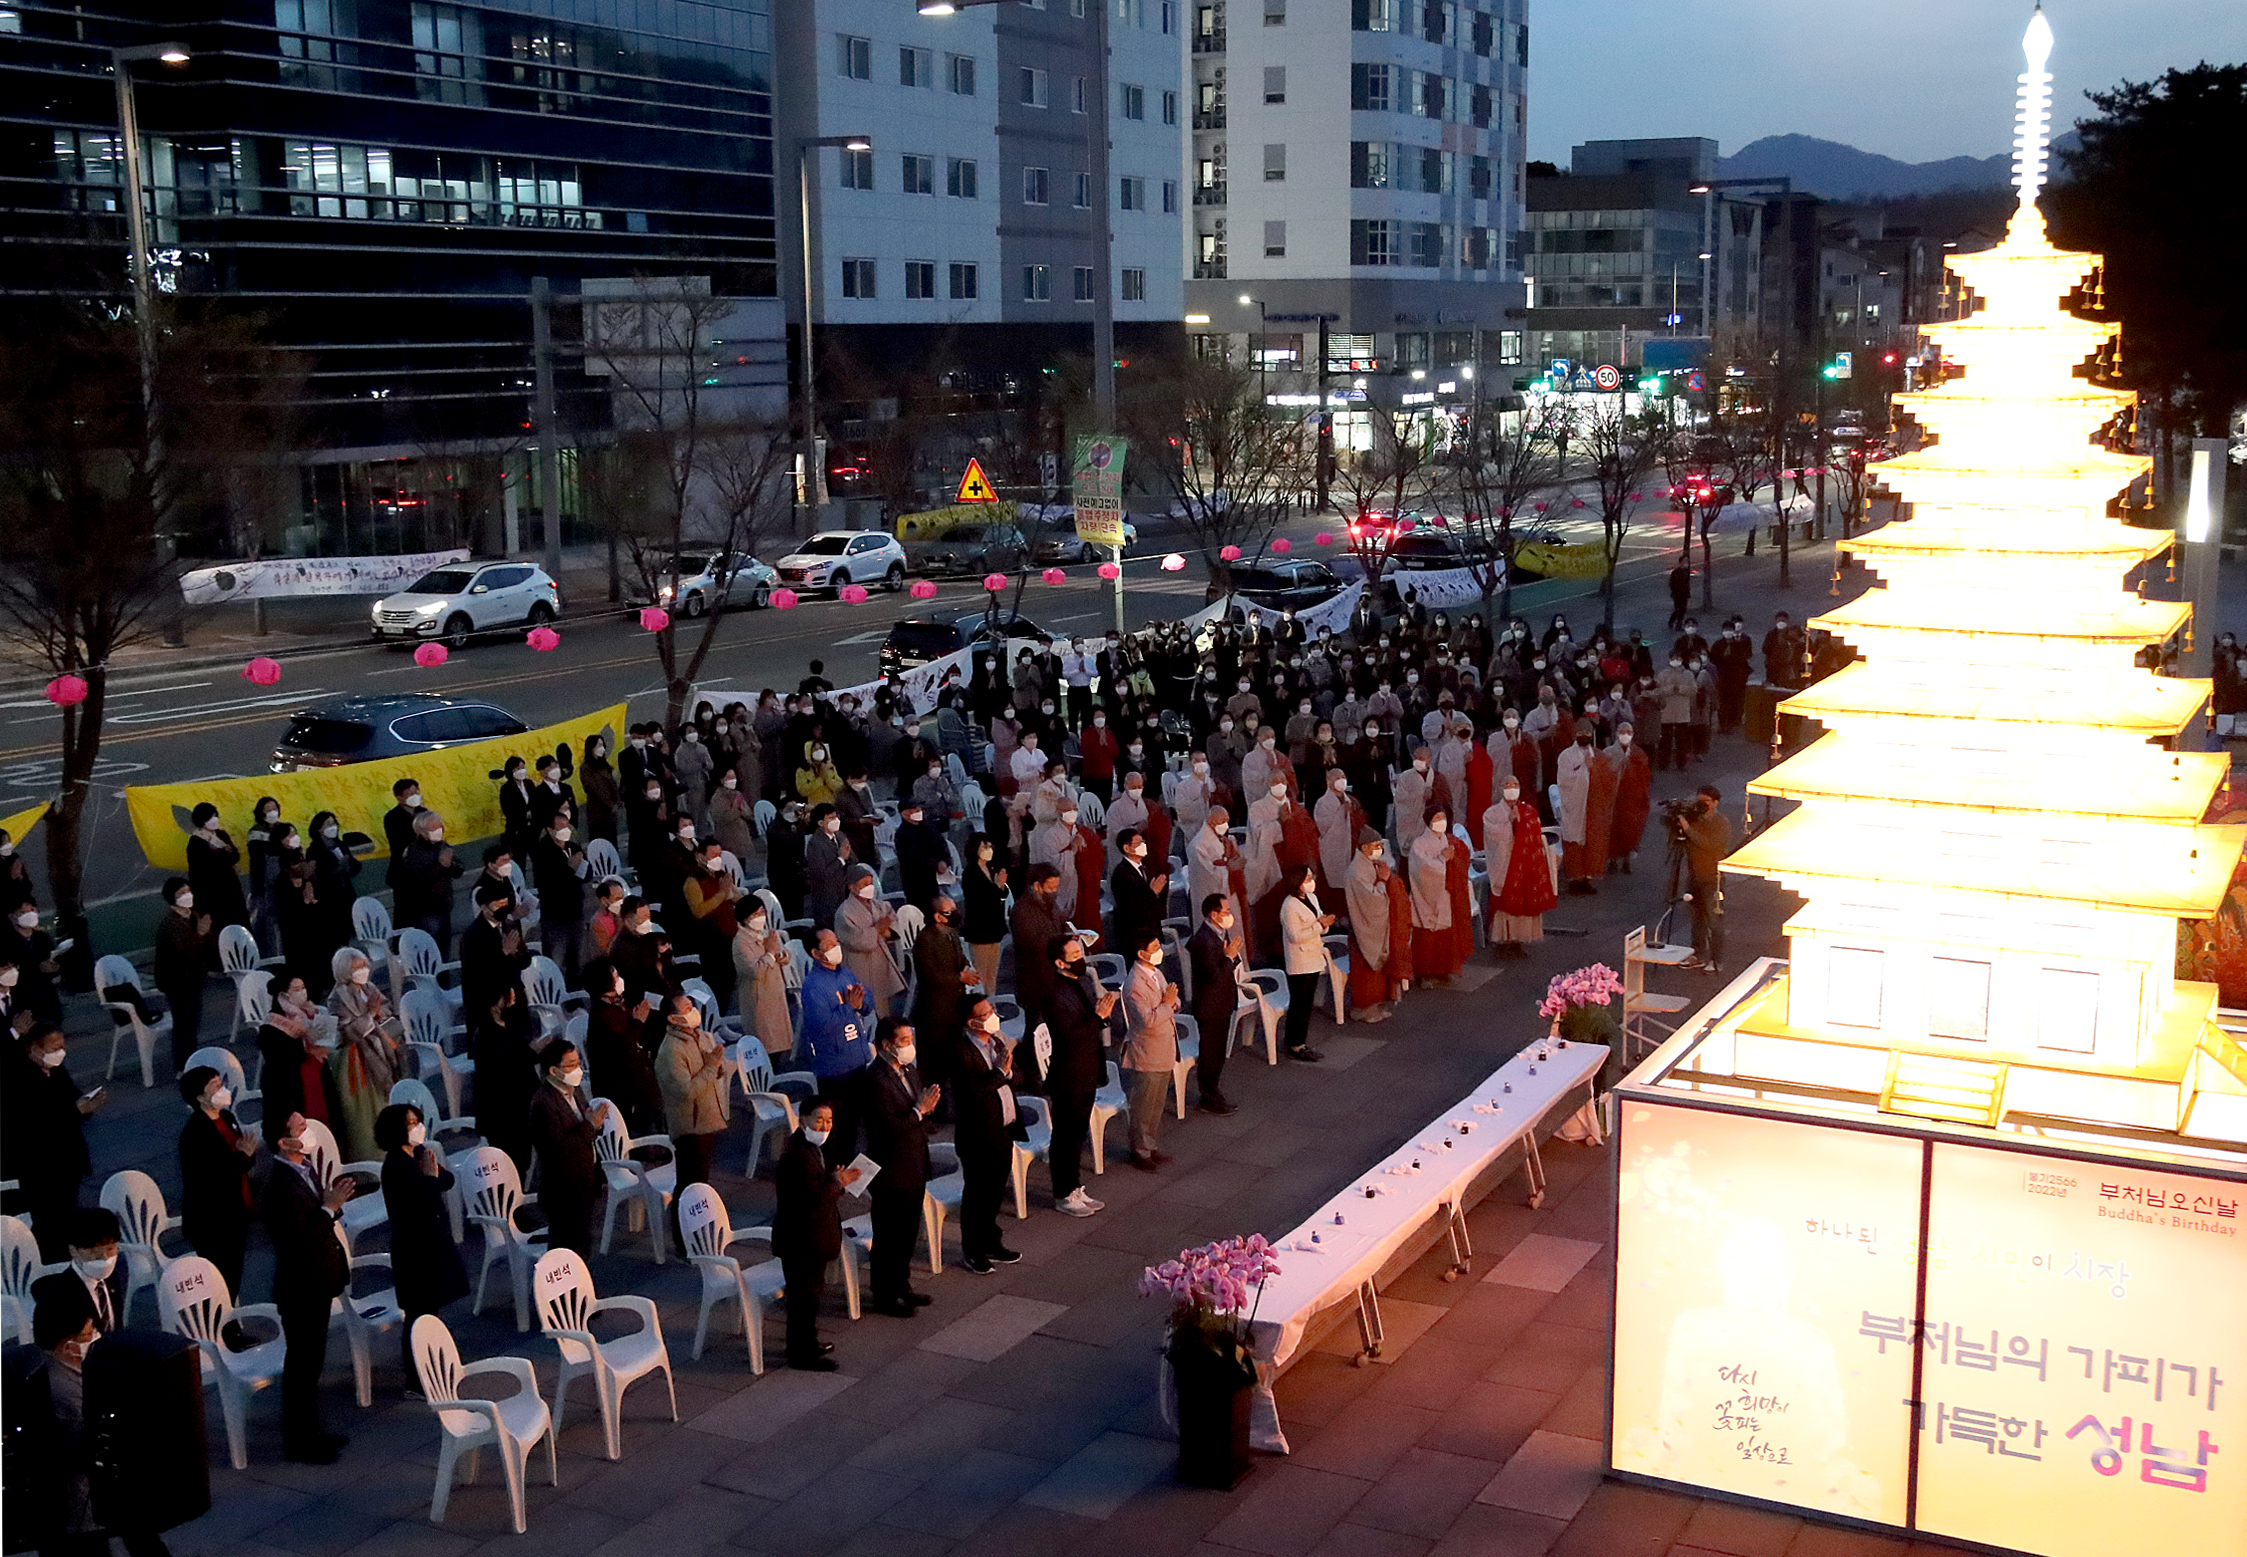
1592 986
1213 1289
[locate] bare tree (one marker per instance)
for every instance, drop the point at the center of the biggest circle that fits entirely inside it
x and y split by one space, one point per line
1621 452
94 470
1500 461
1395 474
693 462
1233 465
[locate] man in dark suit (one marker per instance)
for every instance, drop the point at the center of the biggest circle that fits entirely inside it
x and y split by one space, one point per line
1035 921
425 880
897 1110
564 1126
309 1269
491 948
1139 890
1214 951
93 1236
398 828
919 847
1077 1016
985 1126
807 1231
946 982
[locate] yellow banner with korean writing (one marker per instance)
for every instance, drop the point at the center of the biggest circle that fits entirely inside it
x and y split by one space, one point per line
1559 559
455 782
22 822
931 523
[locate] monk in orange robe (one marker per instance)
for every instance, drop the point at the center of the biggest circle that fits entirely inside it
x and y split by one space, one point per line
1380 931
1634 782
1436 957
1480 777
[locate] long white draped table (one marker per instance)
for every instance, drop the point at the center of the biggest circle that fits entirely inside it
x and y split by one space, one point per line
1336 1256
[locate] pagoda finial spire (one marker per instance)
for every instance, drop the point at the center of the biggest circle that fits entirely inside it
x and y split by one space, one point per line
2032 120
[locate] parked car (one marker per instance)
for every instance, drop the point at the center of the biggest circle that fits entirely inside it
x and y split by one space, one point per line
1060 545
1279 585
367 729
461 599
968 550
833 558
917 640
1424 550
715 581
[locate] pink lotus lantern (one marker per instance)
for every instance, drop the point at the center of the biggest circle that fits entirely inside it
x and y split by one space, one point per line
994 582
1054 576
1282 546
1324 538
1635 496
1230 554
1576 502
543 639
852 594
1786 475
654 618
784 600
922 590
1174 563
1111 570
431 655
264 672
1540 508
66 690
1404 526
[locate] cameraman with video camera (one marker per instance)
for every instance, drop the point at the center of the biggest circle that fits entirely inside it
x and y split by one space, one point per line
1701 831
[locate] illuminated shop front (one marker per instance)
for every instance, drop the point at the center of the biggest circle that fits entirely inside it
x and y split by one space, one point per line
1938 1224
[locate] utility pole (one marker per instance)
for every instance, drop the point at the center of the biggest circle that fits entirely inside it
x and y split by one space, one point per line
1325 455
1103 241
549 425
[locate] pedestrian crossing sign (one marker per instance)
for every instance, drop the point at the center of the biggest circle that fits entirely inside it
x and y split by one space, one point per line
975 487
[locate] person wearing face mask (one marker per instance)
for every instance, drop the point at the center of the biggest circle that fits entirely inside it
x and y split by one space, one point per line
1128 812
604 793
828 860
184 939
1380 913
1078 1015
425 1265
818 780
732 812
398 828
1631 777
28 952
1282 840
1054 844
1215 865
43 1146
1416 791
690 1068
1514 755
866 926
1139 891
15 877
1783 650
984 917
216 1155
618 1044
837 1041
335 872
515 806
265 821
986 1123
297 1078
1303 924
692 768
854 803
93 1237
558 872
1215 953
807 1231
1733 658
1340 819
426 878
1228 750
368 1059
946 982
1434 860
212 865
492 953
1677 688
1265 765
1587 802
309 1269
1195 793
1520 873
1098 749
898 1103
649 816
564 1124
1149 1053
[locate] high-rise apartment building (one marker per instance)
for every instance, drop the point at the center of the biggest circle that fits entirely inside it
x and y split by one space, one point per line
1360 168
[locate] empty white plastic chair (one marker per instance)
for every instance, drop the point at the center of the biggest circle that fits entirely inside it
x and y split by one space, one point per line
192 1300
429 1029
1107 1103
421 964
371 930
238 955
20 1266
366 1209
1037 1146
567 1306
253 999
602 862
469 1426
1189 1055
761 818
772 1113
109 973
707 1231
643 1192
940 1197
493 1193
366 1316
138 1204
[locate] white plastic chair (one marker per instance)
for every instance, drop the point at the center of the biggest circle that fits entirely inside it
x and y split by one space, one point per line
1263 999
429 1027
142 1221
1189 1055
366 1317
708 1233
1090 811
1108 1103
228 1064
772 1113
371 932
192 1300
940 1197
109 972
253 999
366 1209
567 1306
493 1192
468 1426
642 1192
1037 1146
20 1266
238 955
546 989
602 861
421 965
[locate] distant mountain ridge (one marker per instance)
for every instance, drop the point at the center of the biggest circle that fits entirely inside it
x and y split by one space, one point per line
1840 172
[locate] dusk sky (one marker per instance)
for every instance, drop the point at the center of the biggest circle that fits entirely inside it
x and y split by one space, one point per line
1916 79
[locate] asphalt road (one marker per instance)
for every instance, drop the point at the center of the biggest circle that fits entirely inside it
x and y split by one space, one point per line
206 722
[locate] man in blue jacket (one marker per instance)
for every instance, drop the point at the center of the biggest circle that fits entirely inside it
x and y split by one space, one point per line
837 1044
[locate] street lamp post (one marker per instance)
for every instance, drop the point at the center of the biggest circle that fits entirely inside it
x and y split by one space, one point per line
136 235
1103 238
1263 332
815 476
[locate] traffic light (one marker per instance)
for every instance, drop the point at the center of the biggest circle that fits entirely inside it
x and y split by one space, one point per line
1839 368
1887 359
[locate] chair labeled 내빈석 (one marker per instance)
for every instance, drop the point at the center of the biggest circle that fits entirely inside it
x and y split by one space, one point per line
138 1204
468 1426
641 1190
708 1234
192 1300
493 1193
567 1306
19 1268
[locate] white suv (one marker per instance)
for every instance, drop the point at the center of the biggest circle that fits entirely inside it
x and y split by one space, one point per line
461 599
833 558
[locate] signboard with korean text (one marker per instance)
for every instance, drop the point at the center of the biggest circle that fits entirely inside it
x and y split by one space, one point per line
2084 1357
1096 484
1748 1250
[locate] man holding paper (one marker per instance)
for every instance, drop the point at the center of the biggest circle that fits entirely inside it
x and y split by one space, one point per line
897 1110
807 1232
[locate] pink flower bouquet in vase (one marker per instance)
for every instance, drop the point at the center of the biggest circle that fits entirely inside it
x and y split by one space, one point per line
1212 1292
1582 1009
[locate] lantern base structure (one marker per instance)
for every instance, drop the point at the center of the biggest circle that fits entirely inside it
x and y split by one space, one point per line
1897 1290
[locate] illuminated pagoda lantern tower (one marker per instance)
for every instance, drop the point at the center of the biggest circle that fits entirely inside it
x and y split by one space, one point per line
1994 850
1940 1225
